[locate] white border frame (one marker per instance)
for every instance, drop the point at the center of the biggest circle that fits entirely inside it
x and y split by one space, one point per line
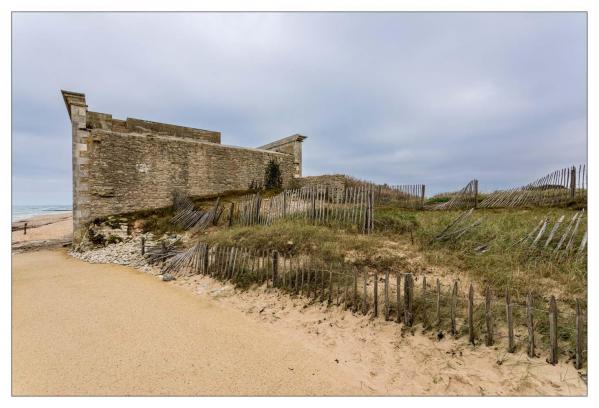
7 6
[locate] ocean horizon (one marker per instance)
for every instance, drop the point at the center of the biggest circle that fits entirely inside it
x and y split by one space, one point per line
21 212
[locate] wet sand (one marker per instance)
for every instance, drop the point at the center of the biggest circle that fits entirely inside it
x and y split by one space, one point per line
85 329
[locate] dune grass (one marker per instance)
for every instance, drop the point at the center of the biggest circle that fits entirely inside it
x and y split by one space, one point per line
505 264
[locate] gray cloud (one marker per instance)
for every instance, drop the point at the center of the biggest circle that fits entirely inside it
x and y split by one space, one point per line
435 98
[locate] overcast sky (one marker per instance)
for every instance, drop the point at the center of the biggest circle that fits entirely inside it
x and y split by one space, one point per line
401 98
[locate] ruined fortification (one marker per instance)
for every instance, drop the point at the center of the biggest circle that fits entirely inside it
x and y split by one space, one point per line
122 166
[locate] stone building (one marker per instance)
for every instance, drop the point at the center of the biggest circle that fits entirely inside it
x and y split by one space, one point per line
122 166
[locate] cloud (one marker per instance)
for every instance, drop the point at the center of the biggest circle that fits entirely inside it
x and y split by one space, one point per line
434 98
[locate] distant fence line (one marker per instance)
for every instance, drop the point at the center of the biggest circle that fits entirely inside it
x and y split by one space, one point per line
405 195
558 187
438 305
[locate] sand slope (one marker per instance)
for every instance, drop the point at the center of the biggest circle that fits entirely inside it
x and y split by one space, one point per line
83 329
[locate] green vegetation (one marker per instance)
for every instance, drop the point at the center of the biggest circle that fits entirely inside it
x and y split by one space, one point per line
319 242
390 221
401 235
505 264
272 177
437 200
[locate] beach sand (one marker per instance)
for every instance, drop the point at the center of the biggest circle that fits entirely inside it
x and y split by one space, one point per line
94 329
85 329
43 227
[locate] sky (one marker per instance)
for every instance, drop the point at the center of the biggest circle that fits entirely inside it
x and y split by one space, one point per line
397 98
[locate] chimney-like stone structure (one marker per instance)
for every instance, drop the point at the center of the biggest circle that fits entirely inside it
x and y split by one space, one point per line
289 145
77 109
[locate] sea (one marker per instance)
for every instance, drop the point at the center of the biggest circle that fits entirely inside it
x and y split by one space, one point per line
20 212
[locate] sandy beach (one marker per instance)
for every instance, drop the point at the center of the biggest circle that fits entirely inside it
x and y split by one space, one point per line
97 329
83 329
43 227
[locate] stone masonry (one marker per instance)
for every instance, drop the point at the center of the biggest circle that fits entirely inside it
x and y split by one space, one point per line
122 166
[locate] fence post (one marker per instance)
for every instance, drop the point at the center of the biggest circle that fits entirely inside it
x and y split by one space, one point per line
531 326
258 207
408 299
572 182
552 331
365 304
422 196
313 198
206 259
322 289
355 302
475 193
489 317
471 314
578 361
510 322
284 203
398 284
452 307
376 293
330 299
386 294
275 268
438 304
367 213
424 314
346 291
143 246
231 214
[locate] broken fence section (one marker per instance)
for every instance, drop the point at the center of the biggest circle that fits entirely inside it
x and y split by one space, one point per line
557 188
562 238
188 217
467 197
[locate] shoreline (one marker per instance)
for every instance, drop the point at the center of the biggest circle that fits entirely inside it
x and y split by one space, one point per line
37 220
42 230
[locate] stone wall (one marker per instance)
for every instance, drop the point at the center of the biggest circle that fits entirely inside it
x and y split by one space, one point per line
122 166
130 171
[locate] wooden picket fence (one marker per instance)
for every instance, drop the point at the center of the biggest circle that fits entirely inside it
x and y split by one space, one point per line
440 306
321 205
556 188
404 196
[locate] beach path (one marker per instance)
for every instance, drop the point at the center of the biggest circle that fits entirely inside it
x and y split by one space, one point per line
89 329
